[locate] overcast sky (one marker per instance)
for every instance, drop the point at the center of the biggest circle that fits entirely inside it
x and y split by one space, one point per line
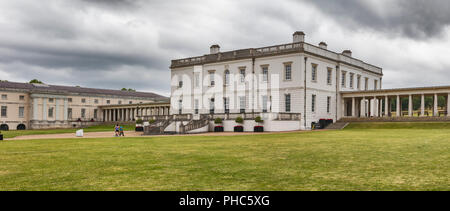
129 43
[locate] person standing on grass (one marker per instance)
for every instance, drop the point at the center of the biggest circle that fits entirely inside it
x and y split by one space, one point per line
116 129
121 131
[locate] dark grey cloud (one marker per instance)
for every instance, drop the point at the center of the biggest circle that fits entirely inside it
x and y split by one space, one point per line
417 19
129 43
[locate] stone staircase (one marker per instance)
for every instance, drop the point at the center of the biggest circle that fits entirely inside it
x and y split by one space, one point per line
194 124
337 125
158 127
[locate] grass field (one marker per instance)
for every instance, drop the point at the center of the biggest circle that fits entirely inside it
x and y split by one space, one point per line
97 128
356 158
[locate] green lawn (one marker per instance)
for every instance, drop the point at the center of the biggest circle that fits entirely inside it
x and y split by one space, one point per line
97 128
351 159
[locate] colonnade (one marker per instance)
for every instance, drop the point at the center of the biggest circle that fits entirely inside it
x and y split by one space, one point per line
379 106
115 114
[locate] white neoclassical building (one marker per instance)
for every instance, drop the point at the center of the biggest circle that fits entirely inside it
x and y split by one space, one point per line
297 79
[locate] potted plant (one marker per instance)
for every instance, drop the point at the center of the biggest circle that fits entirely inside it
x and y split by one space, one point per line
239 127
151 121
258 127
139 126
218 127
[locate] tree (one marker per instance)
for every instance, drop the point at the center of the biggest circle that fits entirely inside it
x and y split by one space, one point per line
129 89
35 81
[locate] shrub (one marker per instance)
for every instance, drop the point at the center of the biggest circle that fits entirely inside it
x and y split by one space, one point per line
239 120
218 121
139 121
259 119
151 121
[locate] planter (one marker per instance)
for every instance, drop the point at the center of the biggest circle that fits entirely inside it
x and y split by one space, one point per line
218 129
139 128
258 129
238 128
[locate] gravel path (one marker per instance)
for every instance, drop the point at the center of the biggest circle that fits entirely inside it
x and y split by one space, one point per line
131 134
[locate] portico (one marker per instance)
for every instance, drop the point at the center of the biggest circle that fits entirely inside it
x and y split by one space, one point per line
403 102
132 112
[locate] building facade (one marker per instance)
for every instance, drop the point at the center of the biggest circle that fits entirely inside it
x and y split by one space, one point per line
297 78
37 106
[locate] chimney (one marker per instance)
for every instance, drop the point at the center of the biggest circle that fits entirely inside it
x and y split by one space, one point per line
298 36
347 53
323 45
214 49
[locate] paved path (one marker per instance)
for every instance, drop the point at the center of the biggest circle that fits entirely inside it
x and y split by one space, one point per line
133 134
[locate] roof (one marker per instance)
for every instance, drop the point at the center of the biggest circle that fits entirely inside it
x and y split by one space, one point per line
73 89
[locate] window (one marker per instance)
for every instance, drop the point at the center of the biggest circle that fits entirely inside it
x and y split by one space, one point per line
227 77
366 85
51 100
108 101
50 112
69 113
83 100
265 74
211 78
242 75
242 104
329 75
314 72
197 79
287 100
196 106
180 106
83 113
351 80
180 81
21 97
95 113
226 104
119 102
264 103
69 99
96 101
328 104
130 102
211 106
21 112
4 111
343 78
358 82
313 103
287 72
4 97
375 84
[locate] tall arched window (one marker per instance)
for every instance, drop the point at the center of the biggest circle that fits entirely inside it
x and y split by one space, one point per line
227 77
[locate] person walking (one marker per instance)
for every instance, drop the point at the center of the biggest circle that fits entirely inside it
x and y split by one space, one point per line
121 131
116 130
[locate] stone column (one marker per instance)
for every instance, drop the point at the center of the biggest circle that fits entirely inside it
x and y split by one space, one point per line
386 105
448 104
44 108
435 107
375 107
57 109
363 107
66 109
398 112
35 109
410 104
353 107
422 105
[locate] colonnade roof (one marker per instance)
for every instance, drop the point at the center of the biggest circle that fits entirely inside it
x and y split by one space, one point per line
398 91
135 105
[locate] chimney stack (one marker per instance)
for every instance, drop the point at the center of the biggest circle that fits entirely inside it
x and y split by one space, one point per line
323 45
214 49
347 53
298 36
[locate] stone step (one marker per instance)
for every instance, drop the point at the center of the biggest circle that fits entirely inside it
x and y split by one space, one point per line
337 126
